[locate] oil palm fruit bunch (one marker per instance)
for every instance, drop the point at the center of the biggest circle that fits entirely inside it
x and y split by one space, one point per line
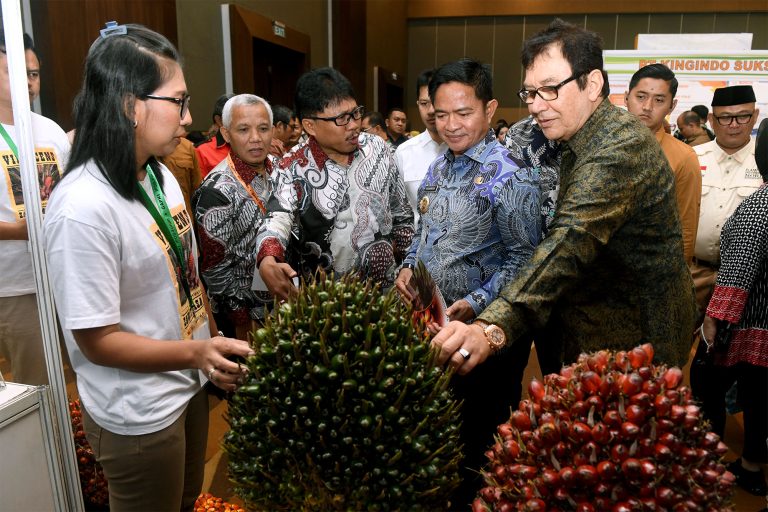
92 480
343 408
612 432
206 502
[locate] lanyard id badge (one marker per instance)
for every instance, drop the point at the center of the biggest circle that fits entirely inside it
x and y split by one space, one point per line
167 226
9 141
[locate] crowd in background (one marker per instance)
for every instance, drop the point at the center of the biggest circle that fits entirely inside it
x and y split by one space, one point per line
580 227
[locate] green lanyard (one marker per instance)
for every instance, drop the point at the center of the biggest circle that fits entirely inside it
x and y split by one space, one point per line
166 224
9 140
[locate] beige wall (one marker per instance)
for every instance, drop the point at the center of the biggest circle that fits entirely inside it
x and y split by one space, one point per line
497 40
386 40
200 42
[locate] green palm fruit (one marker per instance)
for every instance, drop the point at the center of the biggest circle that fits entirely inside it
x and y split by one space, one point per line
343 408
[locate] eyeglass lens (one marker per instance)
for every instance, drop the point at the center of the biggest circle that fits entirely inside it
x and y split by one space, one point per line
346 117
740 119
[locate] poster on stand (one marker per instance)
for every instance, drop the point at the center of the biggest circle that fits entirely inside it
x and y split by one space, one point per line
698 75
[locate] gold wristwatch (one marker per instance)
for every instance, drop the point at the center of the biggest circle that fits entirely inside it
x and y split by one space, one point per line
493 334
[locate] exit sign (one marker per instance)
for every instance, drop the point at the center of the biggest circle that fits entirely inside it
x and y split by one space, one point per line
278 28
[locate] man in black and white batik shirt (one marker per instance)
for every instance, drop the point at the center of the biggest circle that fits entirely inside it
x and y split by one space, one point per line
340 203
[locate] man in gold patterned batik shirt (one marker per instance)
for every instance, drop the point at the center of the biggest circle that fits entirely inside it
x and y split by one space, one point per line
611 272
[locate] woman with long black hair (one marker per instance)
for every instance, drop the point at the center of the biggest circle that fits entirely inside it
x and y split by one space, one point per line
122 261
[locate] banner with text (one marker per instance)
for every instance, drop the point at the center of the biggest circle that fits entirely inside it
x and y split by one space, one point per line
698 75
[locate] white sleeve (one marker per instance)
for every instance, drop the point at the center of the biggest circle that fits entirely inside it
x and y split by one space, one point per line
84 268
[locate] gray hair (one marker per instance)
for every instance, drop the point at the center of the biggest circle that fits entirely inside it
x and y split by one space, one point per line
243 100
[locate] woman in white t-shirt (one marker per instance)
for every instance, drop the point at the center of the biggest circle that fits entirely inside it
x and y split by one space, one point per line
122 260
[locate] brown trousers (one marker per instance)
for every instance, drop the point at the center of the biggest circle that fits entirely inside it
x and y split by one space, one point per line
704 277
21 339
162 471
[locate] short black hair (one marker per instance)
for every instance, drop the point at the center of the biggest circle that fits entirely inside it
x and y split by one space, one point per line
395 109
691 117
281 114
319 88
465 71
119 69
702 111
423 80
218 107
583 49
657 71
28 43
375 119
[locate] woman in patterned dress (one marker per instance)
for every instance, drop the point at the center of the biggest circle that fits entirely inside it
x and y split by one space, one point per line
736 325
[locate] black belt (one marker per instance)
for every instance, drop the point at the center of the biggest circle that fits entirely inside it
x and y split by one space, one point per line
703 263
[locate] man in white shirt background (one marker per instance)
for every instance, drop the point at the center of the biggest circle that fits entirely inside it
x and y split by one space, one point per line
729 174
413 156
21 339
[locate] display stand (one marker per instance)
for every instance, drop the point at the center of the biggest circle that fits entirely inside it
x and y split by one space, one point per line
52 431
28 471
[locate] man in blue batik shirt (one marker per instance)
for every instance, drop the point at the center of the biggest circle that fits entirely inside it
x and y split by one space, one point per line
480 210
480 222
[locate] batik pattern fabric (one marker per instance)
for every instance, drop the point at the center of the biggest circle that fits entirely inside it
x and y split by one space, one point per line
610 274
480 221
740 298
339 218
391 146
527 143
228 219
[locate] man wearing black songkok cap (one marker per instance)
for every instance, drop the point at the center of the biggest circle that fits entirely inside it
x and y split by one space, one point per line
729 174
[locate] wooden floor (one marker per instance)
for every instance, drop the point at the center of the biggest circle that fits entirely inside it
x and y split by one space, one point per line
217 484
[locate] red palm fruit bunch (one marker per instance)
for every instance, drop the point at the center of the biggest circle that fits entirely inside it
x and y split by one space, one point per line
92 481
612 432
207 502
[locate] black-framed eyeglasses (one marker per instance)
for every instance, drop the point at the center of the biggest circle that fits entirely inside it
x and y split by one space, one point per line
545 92
182 102
728 119
343 119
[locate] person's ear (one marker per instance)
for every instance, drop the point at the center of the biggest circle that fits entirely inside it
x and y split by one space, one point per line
674 104
134 110
490 110
309 126
225 133
595 81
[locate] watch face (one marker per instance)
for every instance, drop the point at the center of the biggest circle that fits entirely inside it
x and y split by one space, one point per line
496 336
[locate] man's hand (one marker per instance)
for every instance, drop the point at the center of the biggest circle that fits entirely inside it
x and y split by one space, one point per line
277 277
461 346
14 230
401 283
461 311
